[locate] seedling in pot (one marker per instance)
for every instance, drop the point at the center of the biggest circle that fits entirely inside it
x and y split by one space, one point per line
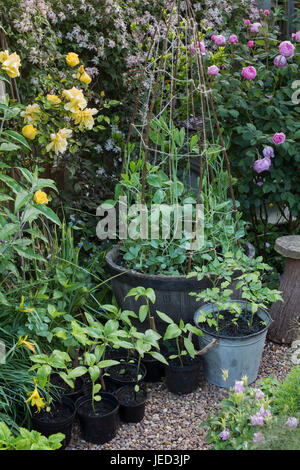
144 311
247 274
184 344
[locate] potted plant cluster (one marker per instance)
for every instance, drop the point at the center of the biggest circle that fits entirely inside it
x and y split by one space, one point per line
239 326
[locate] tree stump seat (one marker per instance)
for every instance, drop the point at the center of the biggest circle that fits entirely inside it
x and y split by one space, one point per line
286 315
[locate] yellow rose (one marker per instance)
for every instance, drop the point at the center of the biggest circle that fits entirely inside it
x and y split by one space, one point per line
72 59
31 114
11 65
83 76
85 118
29 132
4 55
40 197
59 141
54 99
75 98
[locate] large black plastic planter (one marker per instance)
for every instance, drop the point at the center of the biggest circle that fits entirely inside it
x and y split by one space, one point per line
172 292
101 427
131 410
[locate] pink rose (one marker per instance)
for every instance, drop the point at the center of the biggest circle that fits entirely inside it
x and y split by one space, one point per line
255 27
262 165
200 46
250 43
280 61
213 37
213 70
249 72
220 40
233 39
287 49
268 152
297 36
267 12
278 138
247 22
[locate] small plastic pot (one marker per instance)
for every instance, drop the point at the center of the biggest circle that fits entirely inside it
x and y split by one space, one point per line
155 370
100 428
129 411
183 380
122 381
52 427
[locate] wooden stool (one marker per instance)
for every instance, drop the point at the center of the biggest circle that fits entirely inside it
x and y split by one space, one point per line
286 315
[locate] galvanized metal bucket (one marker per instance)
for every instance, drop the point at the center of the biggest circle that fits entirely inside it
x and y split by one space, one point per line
241 356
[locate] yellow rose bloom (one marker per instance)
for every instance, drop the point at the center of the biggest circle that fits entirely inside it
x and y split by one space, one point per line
11 65
59 142
35 398
31 114
72 59
54 99
85 118
40 197
83 76
75 98
29 132
4 55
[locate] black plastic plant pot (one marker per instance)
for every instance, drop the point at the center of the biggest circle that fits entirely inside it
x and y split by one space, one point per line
183 380
48 425
101 427
155 370
130 377
73 395
132 405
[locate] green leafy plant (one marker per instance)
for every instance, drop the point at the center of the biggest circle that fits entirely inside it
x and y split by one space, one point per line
28 440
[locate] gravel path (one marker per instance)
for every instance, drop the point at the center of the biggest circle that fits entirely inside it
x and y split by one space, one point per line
172 422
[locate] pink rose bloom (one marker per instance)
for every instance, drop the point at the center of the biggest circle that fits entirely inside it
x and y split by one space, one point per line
280 61
250 43
287 49
213 70
220 40
267 12
255 27
247 22
297 36
233 39
200 46
262 165
249 72
213 37
268 152
278 138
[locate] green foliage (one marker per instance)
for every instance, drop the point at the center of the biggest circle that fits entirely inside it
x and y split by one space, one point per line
28 440
287 395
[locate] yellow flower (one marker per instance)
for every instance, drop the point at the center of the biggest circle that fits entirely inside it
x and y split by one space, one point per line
54 99
75 98
85 118
31 113
4 55
11 65
72 59
29 131
83 76
40 197
59 141
27 344
35 398
102 93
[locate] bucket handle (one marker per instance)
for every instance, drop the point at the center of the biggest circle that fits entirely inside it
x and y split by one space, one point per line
208 347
